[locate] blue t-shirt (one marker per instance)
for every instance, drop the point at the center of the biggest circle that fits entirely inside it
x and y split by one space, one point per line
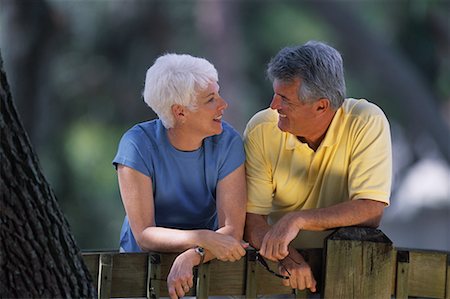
184 183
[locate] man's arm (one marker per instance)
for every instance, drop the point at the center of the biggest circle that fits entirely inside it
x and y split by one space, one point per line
360 212
301 276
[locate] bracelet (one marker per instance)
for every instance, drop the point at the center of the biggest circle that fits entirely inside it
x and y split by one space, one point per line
201 252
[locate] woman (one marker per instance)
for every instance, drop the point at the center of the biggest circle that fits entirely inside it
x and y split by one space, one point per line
182 176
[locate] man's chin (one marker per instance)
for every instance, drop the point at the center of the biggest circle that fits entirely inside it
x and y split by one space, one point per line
281 127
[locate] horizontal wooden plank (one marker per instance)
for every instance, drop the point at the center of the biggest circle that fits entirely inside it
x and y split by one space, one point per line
227 278
129 277
427 274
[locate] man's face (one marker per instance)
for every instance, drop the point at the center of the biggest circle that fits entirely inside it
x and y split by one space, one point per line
295 117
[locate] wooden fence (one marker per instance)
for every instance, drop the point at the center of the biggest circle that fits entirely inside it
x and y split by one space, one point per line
355 263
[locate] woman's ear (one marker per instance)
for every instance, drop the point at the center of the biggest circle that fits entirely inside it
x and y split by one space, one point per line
179 113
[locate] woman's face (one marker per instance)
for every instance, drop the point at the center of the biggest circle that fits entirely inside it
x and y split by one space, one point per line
206 120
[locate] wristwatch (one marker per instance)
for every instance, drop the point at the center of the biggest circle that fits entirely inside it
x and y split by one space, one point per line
201 252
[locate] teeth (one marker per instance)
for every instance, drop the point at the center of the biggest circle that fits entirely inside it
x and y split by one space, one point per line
282 115
218 117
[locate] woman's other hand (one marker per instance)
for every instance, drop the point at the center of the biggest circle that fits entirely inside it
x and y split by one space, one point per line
224 247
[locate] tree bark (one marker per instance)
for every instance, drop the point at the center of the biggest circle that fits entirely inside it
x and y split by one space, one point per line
38 254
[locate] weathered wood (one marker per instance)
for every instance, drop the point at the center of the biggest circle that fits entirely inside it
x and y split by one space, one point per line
358 264
105 276
447 284
427 274
353 263
153 275
267 284
250 281
227 279
203 281
92 261
301 294
402 275
129 275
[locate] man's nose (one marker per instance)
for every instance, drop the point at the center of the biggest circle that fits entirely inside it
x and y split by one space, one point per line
275 104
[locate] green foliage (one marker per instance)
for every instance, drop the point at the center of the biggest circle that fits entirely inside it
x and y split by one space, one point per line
91 72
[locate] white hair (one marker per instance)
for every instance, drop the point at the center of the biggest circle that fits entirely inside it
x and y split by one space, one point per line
176 79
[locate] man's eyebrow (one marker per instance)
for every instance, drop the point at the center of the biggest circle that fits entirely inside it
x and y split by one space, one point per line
211 94
284 97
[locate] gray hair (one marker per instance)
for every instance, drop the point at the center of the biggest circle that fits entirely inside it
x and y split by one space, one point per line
176 79
319 67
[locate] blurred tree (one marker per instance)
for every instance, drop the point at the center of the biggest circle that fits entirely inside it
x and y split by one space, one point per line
396 76
31 30
218 25
38 254
77 68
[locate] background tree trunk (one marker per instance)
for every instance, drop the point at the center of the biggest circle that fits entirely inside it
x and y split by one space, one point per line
396 76
38 254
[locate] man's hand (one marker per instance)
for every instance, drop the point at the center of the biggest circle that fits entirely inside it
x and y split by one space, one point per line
301 276
180 278
224 247
276 241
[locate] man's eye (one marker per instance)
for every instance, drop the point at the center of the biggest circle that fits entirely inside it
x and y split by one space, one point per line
210 100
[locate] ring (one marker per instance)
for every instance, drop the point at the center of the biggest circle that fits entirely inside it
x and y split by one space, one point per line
186 288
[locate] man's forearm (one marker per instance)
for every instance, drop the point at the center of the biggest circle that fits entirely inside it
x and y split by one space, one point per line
360 212
256 227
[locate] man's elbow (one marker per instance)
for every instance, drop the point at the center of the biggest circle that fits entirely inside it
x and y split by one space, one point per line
374 220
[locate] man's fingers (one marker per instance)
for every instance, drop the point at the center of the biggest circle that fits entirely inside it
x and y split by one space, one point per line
311 283
180 290
283 251
172 293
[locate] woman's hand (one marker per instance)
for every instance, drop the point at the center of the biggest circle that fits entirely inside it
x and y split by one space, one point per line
224 247
181 279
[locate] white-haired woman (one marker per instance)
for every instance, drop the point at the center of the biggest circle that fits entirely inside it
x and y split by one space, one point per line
182 176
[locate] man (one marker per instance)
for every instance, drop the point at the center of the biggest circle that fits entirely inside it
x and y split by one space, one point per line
315 160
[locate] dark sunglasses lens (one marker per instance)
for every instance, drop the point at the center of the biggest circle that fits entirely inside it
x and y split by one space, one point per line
263 262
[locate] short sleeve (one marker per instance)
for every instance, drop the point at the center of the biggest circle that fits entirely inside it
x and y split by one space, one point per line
233 155
370 169
134 152
259 176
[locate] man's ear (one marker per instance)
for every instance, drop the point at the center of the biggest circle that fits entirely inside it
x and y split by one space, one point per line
322 105
179 112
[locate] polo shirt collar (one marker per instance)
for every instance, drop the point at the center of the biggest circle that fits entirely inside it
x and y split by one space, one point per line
330 138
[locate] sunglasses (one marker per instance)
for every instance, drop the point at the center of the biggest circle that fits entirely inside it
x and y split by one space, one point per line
263 263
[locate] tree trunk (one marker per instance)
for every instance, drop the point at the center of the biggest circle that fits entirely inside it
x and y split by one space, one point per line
38 254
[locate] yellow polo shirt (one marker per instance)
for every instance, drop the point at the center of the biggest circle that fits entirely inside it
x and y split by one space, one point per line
354 161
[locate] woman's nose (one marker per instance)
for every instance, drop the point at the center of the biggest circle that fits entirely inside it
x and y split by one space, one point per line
223 105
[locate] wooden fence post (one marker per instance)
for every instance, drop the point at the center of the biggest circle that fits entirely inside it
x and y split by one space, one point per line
203 281
402 275
358 264
250 280
153 275
105 275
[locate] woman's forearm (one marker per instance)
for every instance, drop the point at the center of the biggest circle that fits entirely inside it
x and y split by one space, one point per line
170 240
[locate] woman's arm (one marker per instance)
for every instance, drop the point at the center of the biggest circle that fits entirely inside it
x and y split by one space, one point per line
231 200
137 196
231 203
